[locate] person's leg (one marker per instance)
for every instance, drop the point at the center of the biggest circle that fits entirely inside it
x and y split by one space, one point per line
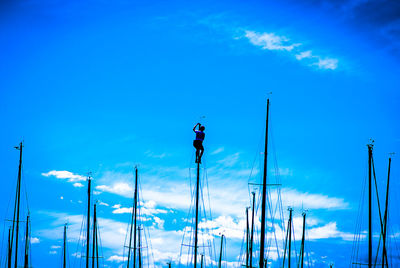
195 144
201 149
201 154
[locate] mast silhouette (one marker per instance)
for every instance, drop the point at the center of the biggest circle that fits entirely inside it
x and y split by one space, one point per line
252 230
197 214
302 241
220 252
247 237
94 246
139 248
65 246
264 195
88 224
370 146
16 208
26 259
9 248
384 252
133 223
288 240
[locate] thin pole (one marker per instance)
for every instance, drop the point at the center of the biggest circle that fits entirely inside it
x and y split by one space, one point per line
302 241
384 253
26 264
169 264
197 214
94 235
132 220
88 223
247 237
290 237
252 230
264 194
286 243
65 247
135 217
18 202
220 252
370 206
201 260
9 248
139 248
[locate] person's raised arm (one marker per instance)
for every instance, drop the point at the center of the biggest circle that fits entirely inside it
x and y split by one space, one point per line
194 129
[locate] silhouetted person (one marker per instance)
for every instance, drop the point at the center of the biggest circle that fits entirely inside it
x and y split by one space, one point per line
198 142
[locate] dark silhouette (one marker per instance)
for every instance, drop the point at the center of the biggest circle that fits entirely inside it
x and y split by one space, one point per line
198 142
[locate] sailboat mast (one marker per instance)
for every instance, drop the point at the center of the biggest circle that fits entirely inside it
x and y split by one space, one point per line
247 237
9 249
65 247
88 224
384 253
197 214
370 205
290 236
302 241
264 195
252 230
26 264
220 252
135 218
17 204
94 235
139 248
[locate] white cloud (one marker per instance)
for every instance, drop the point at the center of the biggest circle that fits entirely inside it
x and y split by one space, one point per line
55 247
52 252
327 63
63 174
78 185
229 160
103 204
120 188
116 258
151 154
217 151
35 240
304 55
270 41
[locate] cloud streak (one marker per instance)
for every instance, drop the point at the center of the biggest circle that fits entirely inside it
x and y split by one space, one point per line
273 42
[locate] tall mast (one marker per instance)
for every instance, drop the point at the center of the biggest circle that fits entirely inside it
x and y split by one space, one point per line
133 224
247 237
26 263
9 249
220 252
94 235
302 241
290 237
370 146
264 194
88 224
252 230
384 253
197 214
17 201
65 247
139 249
201 260
135 218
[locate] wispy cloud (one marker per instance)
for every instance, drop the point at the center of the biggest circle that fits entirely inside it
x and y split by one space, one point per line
217 151
271 41
63 174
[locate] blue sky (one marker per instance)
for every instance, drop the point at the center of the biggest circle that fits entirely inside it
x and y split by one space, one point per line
103 86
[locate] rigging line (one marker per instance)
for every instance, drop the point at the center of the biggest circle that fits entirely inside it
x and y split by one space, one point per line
294 243
377 195
205 174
